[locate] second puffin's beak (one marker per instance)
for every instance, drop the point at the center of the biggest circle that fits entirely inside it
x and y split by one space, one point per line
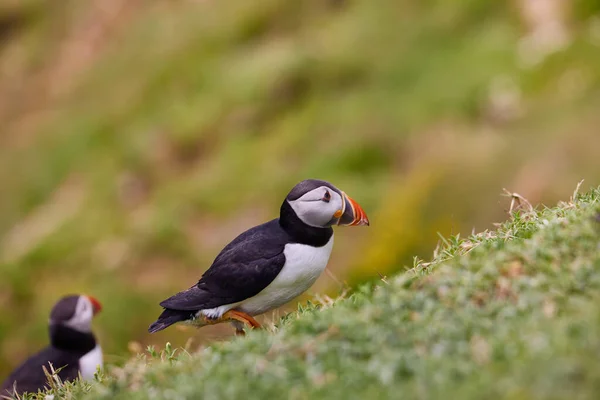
97 307
352 214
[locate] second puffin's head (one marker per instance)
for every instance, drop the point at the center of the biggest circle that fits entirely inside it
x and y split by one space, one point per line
319 204
76 312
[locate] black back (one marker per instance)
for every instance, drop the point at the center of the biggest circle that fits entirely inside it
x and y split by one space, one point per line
67 347
247 265
29 377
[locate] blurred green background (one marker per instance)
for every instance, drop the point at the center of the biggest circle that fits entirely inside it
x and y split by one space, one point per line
138 137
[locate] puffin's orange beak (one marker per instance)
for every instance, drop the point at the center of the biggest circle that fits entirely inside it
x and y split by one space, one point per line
95 304
353 214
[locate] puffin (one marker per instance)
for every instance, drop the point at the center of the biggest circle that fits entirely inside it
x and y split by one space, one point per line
73 348
268 265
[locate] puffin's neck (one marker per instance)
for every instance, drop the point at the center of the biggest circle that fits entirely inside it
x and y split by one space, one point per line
69 339
301 232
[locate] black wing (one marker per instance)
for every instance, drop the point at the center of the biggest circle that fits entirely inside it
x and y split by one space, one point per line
30 377
244 267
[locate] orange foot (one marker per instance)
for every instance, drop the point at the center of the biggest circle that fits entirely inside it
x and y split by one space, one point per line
233 315
243 318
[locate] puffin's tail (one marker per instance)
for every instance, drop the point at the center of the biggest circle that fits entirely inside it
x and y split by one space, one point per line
168 318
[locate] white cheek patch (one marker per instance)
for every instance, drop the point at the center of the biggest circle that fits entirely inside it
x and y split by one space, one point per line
82 319
316 212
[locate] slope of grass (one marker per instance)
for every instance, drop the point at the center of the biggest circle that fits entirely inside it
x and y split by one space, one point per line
138 138
511 313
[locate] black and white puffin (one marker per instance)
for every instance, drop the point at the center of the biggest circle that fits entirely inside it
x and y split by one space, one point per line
72 347
268 265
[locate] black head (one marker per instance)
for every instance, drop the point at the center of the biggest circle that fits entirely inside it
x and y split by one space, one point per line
75 311
319 204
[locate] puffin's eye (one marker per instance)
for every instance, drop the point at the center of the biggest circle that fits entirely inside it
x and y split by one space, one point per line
327 196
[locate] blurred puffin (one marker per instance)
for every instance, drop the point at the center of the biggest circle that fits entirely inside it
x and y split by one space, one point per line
72 347
268 265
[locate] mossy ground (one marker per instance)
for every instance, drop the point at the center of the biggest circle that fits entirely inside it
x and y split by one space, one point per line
510 313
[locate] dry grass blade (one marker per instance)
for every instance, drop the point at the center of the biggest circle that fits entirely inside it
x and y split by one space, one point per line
382 277
571 202
54 381
517 202
14 394
576 191
333 277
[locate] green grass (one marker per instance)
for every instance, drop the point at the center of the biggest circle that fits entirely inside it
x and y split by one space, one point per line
510 313
189 121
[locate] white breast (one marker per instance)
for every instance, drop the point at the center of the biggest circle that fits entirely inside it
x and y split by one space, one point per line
303 265
89 362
